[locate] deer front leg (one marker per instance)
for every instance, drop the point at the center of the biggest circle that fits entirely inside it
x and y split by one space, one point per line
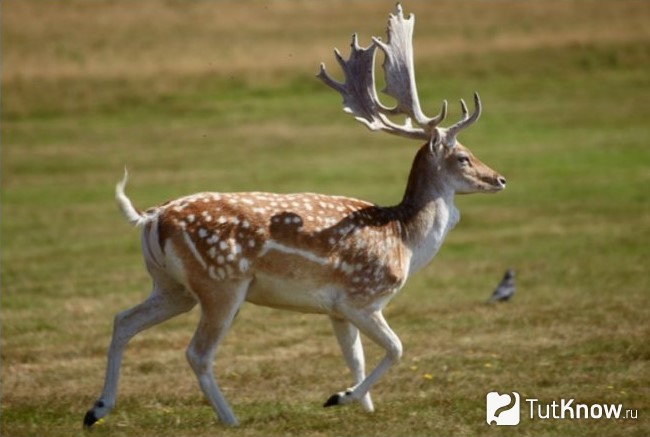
350 342
375 327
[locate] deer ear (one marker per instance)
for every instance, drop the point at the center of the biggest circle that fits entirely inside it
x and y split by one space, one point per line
435 143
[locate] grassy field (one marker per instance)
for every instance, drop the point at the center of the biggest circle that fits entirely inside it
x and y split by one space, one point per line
221 96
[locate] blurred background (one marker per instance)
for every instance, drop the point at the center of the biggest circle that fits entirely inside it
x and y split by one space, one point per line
221 96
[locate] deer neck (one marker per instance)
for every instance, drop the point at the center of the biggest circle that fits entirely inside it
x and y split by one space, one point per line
427 210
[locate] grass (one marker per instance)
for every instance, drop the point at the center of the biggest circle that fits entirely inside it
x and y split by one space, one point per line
207 96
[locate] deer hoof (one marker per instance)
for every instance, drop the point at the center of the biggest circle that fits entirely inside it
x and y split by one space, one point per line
95 414
333 400
90 419
341 398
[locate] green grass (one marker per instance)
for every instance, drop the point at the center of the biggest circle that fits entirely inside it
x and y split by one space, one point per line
565 91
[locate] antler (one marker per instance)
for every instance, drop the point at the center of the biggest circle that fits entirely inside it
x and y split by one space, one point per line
399 70
465 121
359 92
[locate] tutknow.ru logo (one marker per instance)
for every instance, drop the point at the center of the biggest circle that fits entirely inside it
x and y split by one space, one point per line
502 409
505 409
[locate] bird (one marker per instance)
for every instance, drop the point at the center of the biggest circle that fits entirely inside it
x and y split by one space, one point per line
506 288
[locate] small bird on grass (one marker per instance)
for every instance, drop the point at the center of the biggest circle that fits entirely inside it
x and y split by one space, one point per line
505 289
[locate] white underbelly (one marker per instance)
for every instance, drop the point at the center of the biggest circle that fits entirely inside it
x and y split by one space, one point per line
292 294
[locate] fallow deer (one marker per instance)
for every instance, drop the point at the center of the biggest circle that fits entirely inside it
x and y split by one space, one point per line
338 256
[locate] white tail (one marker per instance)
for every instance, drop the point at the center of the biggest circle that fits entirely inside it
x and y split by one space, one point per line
342 257
132 215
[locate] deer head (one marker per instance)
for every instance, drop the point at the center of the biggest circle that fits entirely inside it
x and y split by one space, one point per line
447 165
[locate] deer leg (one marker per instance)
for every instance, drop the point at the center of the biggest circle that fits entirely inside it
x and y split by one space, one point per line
350 342
162 304
218 309
375 327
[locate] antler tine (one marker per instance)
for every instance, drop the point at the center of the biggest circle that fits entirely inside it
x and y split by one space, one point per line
463 108
359 93
466 119
399 71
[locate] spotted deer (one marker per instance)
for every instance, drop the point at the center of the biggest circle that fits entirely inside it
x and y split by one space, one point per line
313 253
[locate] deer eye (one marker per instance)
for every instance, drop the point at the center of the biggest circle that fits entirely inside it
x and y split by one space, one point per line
463 160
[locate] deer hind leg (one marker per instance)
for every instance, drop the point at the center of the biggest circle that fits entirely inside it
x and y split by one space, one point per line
375 327
163 303
350 342
219 305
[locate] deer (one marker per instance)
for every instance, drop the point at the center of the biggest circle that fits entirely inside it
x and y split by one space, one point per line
337 256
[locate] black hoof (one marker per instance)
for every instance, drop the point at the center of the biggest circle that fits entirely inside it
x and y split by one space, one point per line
333 400
90 419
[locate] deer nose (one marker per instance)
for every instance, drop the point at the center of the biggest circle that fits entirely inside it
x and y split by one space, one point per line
501 180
